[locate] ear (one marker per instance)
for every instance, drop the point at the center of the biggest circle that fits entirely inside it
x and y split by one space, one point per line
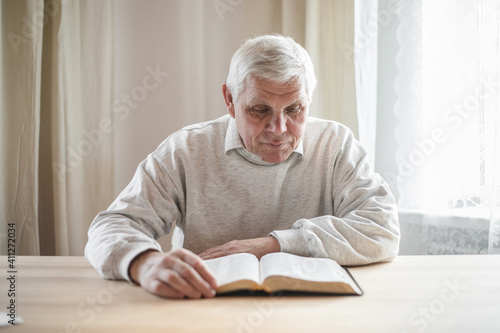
228 98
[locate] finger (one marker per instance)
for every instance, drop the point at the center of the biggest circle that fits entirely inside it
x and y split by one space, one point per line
175 281
159 288
187 280
209 254
205 272
214 254
201 274
219 251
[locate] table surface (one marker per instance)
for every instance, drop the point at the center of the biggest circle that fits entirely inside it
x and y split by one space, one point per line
410 294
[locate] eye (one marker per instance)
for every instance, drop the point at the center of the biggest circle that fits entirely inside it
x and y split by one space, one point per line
260 109
294 109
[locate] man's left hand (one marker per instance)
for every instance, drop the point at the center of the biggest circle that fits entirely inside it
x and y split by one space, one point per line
256 246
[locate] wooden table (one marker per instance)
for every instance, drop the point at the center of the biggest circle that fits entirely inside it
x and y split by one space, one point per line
410 294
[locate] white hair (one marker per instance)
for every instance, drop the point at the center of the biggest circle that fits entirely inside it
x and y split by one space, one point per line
272 57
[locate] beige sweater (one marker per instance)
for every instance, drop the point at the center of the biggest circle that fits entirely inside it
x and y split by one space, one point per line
323 201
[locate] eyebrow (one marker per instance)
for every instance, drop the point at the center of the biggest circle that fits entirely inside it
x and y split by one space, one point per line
255 100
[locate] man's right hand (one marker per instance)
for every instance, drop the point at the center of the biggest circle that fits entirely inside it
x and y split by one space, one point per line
175 274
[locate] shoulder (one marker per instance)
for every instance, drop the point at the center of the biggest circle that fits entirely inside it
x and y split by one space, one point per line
207 136
327 140
219 123
328 131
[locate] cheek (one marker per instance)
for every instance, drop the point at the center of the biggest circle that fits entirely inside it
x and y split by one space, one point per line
258 133
297 128
250 131
254 128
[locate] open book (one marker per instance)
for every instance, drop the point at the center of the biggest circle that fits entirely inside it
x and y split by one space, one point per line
282 271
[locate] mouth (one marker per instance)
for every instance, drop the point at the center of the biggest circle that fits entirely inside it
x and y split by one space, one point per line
276 145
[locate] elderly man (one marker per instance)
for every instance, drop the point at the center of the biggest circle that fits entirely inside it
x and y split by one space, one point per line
264 178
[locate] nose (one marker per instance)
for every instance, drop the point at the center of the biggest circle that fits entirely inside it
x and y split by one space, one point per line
277 123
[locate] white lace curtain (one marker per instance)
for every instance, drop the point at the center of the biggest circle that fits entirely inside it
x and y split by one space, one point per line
448 133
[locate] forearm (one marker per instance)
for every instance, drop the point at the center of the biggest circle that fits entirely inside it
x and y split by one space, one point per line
349 241
114 243
143 212
364 229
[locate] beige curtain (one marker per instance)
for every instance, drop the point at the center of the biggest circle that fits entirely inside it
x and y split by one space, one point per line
326 29
329 28
19 125
56 86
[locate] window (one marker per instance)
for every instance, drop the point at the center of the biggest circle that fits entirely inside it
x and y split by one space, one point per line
446 104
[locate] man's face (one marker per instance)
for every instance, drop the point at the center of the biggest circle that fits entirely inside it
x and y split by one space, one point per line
270 117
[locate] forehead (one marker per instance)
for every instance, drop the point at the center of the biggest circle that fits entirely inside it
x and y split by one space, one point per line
263 89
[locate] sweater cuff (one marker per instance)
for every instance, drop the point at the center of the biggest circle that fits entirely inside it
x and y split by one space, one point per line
292 241
130 254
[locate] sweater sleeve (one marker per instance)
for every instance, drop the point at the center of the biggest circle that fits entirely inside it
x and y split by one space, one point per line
364 226
144 211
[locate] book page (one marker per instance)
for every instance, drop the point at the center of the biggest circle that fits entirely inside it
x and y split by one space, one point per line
302 268
235 267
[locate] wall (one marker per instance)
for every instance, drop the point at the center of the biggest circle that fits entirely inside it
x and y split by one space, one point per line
151 37
149 34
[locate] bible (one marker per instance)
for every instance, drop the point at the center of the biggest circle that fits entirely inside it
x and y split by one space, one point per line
282 272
